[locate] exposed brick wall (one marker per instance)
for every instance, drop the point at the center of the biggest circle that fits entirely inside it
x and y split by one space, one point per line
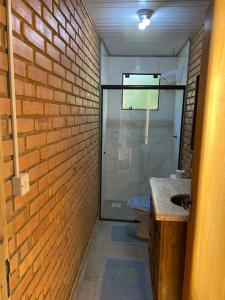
57 90
193 72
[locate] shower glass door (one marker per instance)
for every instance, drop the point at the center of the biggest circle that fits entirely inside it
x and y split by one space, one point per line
137 144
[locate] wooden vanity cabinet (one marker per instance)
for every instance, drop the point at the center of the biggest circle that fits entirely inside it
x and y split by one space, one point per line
167 254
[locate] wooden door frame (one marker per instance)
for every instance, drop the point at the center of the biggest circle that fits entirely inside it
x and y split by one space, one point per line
4 254
204 274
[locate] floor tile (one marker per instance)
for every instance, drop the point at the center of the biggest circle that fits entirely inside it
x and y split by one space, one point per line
101 248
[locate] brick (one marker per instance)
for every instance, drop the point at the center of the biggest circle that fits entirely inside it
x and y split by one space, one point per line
2 15
65 61
43 28
72 29
22 49
70 76
75 69
48 3
43 61
59 96
8 169
71 54
16 24
38 203
53 52
65 10
44 93
5 127
22 9
64 35
29 89
59 122
59 70
38 234
38 171
37 74
35 4
3 85
19 87
3 61
27 262
59 16
53 136
54 81
64 109
27 229
14 225
35 141
7 148
193 72
46 181
67 86
65 133
25 125
50 20
49 150
43 123
33 108
51 109
19 67
14 262
33 37
22 201
28 160
24 249
59 44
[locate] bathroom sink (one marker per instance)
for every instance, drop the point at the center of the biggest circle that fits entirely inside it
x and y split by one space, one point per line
183 200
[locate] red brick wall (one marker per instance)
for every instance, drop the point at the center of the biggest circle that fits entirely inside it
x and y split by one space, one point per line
193 72
57 90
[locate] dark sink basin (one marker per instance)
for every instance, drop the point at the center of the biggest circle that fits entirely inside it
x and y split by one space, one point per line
183 200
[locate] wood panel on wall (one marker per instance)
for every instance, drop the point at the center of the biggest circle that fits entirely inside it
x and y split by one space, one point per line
205 261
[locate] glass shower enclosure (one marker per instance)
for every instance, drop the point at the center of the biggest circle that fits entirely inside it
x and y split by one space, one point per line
137 143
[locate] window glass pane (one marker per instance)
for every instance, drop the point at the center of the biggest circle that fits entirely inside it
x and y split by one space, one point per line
140 99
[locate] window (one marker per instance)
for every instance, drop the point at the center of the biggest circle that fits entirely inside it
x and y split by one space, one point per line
141 99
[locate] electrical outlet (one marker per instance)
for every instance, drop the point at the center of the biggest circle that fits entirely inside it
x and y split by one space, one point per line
21 184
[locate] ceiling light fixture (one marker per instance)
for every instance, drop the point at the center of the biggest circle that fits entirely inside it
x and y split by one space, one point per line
144 17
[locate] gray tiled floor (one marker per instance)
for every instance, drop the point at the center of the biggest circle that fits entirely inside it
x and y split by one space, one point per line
101 248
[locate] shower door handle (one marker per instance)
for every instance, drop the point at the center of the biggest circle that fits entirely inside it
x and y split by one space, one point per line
175 136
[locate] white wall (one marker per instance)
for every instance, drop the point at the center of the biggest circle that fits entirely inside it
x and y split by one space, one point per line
104 65
116 66
183 59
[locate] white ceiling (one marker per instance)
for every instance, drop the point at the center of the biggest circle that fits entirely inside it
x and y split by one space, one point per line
172 24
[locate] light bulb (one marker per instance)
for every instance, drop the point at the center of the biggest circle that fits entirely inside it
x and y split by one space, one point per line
146 21
142 26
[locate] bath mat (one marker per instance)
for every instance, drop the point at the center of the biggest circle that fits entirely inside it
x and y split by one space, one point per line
125 233
124 279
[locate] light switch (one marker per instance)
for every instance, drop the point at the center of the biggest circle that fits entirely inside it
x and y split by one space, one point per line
21 184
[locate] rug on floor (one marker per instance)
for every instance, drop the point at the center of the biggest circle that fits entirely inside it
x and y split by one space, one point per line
124 279
125 233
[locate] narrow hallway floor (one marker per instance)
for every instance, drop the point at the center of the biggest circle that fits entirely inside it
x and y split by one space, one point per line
116 266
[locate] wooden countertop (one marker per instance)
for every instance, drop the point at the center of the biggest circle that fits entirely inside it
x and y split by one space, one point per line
162 190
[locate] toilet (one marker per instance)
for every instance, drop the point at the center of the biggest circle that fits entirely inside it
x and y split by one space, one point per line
141 208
